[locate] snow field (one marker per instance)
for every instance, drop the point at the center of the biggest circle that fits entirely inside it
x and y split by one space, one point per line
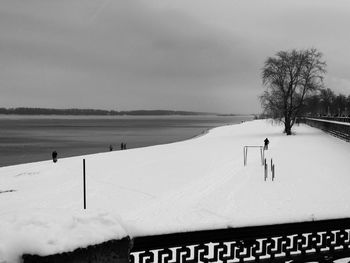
191 185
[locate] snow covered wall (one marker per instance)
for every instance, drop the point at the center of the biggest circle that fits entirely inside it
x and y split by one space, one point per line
191 185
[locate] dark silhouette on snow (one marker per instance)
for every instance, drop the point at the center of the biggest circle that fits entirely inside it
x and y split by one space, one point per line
266 144
123 146
54 156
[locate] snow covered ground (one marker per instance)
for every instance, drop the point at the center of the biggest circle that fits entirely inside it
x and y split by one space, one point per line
191 185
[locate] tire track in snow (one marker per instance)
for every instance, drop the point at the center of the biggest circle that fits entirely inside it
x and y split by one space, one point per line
192 198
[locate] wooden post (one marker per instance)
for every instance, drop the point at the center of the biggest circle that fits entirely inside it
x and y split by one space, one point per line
244 155
273 172
84 184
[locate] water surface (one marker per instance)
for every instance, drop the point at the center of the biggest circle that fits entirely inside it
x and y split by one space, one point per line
33 138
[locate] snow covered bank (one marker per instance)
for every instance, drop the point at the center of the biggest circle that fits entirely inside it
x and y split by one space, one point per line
191 185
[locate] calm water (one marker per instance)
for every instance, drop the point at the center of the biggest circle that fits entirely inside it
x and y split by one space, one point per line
27 139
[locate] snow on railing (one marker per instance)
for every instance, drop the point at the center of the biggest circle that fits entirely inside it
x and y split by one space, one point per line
312 241
338 119
329 121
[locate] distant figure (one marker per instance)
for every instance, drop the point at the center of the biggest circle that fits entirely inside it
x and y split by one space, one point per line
122 146
110 147
54 156
266 144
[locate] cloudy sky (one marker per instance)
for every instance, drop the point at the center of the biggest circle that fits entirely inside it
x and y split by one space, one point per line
200 55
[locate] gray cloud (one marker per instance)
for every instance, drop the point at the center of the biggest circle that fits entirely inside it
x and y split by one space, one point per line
194 55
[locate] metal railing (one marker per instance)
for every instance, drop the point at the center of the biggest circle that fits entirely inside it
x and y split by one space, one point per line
331 125
316 241
340 119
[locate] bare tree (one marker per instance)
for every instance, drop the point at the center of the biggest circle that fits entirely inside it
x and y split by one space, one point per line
289 77
327 98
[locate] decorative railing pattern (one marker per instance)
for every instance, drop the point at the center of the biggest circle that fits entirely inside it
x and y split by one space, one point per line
340 129
316 241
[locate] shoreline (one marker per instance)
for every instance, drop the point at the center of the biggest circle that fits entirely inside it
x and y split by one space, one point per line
203 133
175 134
44 116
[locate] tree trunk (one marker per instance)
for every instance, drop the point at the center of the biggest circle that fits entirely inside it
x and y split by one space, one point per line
287 125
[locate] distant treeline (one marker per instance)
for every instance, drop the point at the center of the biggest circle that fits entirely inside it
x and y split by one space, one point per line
326 102
46 111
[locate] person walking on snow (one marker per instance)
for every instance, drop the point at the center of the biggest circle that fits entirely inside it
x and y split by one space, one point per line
266 144
54 156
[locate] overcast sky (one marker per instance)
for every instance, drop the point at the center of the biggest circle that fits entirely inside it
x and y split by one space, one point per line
200 55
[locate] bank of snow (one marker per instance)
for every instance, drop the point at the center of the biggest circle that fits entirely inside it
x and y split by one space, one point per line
191 185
